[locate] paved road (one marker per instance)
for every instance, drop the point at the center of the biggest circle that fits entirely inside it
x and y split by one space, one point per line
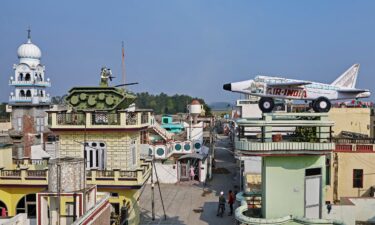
186 203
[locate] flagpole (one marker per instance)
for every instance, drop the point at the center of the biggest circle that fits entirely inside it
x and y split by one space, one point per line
123 64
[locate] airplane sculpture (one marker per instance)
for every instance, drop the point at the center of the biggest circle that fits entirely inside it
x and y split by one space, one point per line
268 88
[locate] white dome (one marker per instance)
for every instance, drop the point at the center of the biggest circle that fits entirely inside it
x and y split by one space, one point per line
29 50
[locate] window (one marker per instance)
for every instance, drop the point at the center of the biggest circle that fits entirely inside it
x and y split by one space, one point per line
114 194
115 207
133 151
39 121
95 154
19 123
358 178
313 172
69 208
328 170
27 77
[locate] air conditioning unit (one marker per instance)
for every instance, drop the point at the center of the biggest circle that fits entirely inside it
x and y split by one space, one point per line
197 146
177 147
160 151
187 147
151 150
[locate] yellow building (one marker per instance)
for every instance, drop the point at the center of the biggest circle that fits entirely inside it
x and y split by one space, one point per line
357 120
100 127
352 171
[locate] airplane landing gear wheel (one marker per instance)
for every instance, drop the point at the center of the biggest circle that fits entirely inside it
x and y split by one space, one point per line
321 104
266 104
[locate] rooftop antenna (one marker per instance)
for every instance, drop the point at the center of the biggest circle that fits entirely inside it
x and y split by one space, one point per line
123 64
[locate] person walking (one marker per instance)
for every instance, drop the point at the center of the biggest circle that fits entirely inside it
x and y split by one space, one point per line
230 202
221 207
192 174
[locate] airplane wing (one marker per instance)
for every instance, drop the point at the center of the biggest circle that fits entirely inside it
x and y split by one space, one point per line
352 91
288 84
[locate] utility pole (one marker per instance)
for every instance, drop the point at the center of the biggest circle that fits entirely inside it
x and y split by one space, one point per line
152 189
161 197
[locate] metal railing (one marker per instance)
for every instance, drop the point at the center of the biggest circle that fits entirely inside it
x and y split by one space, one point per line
105 118
353 141
71 118
131 118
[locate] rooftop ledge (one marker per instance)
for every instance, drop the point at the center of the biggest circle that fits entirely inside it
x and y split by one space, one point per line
243 145
289 219
288 120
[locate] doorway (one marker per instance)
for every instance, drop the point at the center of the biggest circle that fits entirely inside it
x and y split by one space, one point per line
184 169
313 193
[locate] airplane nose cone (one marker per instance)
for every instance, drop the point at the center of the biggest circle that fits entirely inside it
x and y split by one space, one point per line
227 87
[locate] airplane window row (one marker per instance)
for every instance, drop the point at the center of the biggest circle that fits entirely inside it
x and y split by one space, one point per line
319 86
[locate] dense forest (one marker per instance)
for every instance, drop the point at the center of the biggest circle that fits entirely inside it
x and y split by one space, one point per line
161 103
164 104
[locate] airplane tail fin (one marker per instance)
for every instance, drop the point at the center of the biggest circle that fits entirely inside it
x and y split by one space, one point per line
348 78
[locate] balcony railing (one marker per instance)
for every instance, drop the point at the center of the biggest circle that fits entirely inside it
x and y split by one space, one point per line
71 119
97 120
10 173
244 145
27 161
105 174
35 99
37 173
30 83
131 118
128 175
105 119
100 177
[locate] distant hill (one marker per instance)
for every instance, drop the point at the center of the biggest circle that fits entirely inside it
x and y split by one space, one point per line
220 106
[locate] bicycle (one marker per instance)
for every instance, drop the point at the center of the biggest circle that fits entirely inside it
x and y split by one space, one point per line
220 210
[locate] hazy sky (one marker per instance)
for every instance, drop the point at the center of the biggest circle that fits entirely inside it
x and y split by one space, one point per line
190 47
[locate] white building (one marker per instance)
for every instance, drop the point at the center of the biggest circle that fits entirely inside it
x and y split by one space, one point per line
29 100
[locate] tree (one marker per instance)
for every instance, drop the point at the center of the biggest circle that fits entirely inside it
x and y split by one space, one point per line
164 104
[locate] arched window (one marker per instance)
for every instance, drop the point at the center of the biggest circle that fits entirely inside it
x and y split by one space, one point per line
28 93
27 204
3 209
27 77
40 77
95 154
20 77
22 93
41 93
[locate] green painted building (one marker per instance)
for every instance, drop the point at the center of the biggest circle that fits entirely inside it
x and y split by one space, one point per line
293 147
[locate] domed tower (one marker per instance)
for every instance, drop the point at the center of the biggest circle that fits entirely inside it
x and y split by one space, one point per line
29 80
29 100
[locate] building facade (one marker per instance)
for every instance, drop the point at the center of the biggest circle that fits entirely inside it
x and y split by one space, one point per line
29 100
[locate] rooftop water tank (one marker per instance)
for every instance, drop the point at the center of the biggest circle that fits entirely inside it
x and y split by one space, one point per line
66 175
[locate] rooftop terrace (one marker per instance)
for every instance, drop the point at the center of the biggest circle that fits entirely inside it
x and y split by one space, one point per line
280 133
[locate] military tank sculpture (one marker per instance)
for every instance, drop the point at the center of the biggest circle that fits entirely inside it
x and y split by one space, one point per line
101 98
